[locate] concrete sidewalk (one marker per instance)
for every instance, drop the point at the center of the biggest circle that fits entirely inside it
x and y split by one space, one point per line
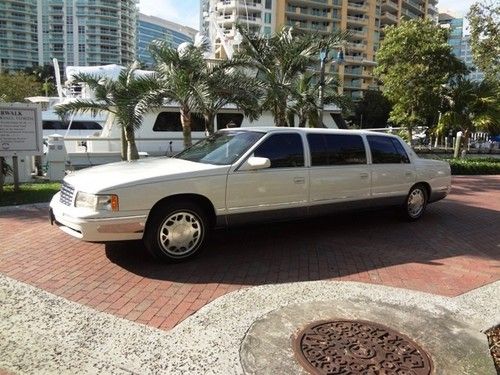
45 334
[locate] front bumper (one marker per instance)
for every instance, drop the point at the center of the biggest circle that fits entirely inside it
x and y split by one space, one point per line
95 229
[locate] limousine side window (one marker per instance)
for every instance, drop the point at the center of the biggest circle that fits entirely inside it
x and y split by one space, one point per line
336 149
171 122
283 150
387 150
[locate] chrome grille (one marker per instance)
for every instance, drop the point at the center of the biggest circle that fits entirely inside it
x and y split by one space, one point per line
67 192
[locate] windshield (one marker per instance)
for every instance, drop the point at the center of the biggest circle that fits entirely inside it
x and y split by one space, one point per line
222 148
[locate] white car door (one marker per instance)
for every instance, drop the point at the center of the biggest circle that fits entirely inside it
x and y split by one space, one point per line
339 172
280 191
392 173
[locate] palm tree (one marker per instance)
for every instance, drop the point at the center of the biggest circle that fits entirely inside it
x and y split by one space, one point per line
202 86
228 84
126 98
305 93
470 106
180 79
280 59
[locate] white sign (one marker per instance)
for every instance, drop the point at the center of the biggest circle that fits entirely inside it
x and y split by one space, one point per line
20 129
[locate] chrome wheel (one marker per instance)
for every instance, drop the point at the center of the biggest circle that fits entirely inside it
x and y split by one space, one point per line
416 202
180 233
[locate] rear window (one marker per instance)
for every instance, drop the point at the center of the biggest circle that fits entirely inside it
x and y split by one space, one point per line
387 150
336 149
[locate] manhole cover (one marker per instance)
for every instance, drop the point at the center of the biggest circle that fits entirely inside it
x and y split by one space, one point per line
357 347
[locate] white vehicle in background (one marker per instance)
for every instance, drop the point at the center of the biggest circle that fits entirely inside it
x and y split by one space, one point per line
242 175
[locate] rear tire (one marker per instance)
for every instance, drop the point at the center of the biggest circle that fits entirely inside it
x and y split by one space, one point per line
176 231
415 203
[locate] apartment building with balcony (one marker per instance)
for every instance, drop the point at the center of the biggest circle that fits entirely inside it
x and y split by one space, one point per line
256 16
76 32
364 19
150 28
18 34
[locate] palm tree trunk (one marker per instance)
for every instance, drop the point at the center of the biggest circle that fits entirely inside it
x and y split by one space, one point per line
410 134
186 126
124 146
209 123
132 153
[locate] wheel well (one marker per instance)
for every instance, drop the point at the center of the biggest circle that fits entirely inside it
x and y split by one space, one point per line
426 186
200 200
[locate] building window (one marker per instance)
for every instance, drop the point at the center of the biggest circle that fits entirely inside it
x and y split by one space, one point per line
269 4
267 17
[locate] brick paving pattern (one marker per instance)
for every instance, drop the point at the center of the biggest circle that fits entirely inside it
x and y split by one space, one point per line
453 249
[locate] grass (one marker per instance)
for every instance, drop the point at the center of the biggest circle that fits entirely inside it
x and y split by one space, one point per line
29 193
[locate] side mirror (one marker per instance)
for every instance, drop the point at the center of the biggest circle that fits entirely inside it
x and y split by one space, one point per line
254 163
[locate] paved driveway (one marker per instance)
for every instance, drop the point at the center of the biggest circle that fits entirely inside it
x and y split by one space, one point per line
453 249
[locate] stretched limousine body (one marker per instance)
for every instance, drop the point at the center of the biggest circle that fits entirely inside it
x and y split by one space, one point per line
242 175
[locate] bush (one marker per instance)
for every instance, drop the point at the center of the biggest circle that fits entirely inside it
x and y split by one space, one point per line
474 166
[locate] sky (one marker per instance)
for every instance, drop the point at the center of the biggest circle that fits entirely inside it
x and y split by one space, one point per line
187 12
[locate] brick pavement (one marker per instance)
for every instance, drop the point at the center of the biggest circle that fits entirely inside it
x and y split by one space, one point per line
454 248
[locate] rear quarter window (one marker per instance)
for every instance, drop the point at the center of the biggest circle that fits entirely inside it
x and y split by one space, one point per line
387 150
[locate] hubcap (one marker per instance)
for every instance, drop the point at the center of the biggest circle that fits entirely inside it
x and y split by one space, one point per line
416 202
180 233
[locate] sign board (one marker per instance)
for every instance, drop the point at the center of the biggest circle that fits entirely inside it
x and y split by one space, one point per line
20 129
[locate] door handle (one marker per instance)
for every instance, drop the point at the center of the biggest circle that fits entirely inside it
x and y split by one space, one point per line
409 173
364 175
299 180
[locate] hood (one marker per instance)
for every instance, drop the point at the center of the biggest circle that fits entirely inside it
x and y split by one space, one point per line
144 171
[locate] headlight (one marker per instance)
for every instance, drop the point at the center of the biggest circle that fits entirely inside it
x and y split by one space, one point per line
97 202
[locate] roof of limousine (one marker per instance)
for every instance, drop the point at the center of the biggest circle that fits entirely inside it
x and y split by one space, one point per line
274 129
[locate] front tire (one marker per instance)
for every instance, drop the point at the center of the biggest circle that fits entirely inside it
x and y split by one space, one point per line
176 231
416 202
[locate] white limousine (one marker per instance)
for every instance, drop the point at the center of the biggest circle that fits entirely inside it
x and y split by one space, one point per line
242 175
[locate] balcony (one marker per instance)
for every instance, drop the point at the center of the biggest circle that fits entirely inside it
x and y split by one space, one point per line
316 3
389 5
232 4
251 20
357 33
353 71
414 6
356 84
411 15
357 20
388 18
227 19
356 46
357 7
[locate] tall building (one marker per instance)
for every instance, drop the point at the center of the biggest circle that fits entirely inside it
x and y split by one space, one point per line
151 28
365 19
455 27
460 43
76 32
18 34
466 56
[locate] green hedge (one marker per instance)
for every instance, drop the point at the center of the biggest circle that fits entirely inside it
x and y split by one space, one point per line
474 166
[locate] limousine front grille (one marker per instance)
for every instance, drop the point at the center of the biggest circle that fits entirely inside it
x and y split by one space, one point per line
67 192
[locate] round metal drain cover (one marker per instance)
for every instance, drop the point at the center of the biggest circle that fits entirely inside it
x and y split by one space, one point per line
349 347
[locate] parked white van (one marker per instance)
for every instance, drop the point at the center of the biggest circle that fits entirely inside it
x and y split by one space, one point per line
241 175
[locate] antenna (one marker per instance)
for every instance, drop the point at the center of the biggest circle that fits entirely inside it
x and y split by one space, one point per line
57 72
